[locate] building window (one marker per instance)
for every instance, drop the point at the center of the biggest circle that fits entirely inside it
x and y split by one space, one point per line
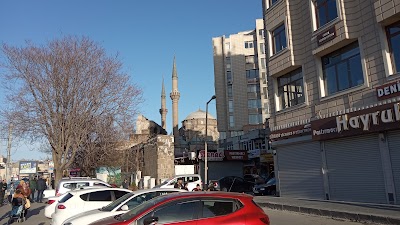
261 33
342 69
250 59
326 11
228 62
251 74
290 89
255 118
249 44
254 103
263 63
230 93
229 77
230 106
393 35
279 38
231 121
228 45
272 2
253 88
262 48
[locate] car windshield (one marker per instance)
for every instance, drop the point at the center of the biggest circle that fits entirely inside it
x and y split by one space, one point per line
117 202
271 181
139 209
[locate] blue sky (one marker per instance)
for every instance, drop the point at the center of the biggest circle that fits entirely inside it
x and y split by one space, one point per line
146 35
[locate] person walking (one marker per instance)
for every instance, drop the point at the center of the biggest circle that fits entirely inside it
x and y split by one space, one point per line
3 188
179 184
41 186
125 184
33 187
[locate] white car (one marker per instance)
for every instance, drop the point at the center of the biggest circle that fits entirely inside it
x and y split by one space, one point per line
119 206
77 201
51 205
192 181
52 202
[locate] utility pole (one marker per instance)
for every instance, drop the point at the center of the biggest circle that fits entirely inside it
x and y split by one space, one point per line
8 164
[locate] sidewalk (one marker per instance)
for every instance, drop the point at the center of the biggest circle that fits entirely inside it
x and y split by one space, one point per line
354 211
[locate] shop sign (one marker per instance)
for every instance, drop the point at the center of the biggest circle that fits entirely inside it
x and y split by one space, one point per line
326 36
266 158
376 119
291 132
212 155
255 153
389 90
233 155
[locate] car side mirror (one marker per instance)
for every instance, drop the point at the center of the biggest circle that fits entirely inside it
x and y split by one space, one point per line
125 208
150 220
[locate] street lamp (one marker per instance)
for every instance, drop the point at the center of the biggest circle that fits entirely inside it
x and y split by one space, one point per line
205 145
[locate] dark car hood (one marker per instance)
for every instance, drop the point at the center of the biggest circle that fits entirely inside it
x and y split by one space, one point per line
106 221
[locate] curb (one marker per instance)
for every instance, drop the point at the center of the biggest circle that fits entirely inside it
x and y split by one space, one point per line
363 218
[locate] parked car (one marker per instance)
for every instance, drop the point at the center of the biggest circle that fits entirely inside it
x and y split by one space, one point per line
77 201
254 178
268 188
233 184
194 208
52 202
120 206
191 179
68 184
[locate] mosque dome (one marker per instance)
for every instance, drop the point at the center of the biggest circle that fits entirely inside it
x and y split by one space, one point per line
199 114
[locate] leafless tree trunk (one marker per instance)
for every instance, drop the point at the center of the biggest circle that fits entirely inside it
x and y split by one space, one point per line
62 90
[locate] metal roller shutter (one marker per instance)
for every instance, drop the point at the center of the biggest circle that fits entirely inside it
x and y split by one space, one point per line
355 169
394 148
300 169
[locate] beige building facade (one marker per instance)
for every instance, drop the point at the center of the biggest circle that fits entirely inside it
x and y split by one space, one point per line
239 79
333 87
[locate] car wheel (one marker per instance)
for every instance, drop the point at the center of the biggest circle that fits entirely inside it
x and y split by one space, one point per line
224 189
273 192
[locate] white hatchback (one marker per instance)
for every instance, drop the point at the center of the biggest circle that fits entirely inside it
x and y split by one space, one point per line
119 206
77 201
192 180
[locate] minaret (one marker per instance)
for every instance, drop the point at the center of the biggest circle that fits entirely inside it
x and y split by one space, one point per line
175 98
163 110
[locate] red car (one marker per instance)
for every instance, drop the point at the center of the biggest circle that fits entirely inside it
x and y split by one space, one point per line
194 208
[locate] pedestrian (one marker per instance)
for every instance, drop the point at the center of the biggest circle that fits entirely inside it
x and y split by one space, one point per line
125 184
26 192
33 187
197 188
179 184
3 188
52 182
41 186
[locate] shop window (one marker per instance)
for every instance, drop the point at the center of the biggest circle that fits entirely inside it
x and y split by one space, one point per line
393 36
290 89
325 11
342 69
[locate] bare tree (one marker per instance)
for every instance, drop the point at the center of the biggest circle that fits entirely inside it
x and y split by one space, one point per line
58 92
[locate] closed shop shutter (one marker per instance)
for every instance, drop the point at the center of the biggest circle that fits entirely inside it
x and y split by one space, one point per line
300 170
355 169
394 148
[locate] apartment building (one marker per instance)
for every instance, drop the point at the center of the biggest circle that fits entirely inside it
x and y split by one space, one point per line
334 90
240 84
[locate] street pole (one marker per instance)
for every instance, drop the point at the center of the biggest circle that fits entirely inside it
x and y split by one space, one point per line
205 147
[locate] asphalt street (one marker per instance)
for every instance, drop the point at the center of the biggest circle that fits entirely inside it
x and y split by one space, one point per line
36 217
